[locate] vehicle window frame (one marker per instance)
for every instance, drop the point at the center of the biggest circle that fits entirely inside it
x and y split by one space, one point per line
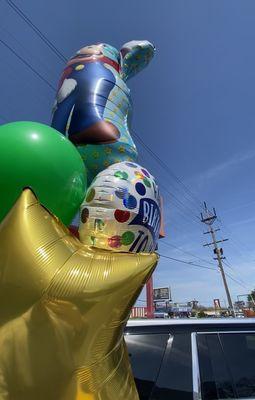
168 340
196 379
171 345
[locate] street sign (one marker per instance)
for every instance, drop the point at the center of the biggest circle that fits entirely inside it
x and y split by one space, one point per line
161 305
217 303
162 293
181 309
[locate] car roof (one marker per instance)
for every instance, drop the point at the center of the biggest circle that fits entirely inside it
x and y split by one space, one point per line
192 321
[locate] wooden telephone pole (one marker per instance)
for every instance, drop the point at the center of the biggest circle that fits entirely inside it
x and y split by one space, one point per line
208 218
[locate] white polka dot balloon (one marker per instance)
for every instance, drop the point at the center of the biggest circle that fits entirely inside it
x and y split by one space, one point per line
121 211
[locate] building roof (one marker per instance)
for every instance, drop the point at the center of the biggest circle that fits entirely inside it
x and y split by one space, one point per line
190 321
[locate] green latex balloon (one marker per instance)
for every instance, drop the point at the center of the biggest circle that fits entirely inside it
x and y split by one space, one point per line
36 155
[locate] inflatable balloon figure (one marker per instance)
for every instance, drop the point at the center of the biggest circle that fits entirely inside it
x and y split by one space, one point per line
93 106
63 309
121 211
36 156
64 301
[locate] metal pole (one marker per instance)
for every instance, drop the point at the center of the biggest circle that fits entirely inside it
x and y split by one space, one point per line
209 219
149 297
217 251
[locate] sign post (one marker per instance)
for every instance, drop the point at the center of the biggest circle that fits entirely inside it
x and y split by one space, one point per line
217 306
149 296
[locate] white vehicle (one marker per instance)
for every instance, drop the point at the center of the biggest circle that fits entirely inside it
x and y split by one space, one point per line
203 359
158 314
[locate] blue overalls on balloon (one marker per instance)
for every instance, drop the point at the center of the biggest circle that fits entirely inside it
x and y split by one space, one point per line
93 105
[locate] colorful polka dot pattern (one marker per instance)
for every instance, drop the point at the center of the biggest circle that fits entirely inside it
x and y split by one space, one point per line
90 195
121 174
147 182
84 215
140 188
121 216
132 165
121 193
125 239
118 191
130 202
145 172
117 110
114 241
139 175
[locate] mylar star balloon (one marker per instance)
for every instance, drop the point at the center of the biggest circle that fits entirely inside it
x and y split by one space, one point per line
63 310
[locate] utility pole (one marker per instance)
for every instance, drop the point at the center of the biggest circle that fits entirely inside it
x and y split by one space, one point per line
208 218
149 297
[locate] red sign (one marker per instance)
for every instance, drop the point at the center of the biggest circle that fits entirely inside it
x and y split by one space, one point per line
216 303
138 312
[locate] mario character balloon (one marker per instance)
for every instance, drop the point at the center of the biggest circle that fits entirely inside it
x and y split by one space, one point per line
93 105
121 211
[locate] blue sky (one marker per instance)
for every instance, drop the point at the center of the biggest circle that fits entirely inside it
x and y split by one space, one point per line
194 106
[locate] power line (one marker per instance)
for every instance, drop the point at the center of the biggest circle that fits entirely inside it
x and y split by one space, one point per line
28 85
234 271
48 83
237 250
36 30
166 167
162 163
235 280
185 207
229 265
186 252
43 37
171 195
209 219
238 242
191 263
53 47
178 203
31 53
27 64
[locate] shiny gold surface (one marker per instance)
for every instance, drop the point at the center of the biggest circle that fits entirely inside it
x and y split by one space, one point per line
63 307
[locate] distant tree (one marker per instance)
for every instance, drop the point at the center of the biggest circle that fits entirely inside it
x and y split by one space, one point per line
251 299
251 296
201 314
224 313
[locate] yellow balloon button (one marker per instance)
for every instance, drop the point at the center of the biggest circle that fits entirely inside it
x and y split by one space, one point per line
79 67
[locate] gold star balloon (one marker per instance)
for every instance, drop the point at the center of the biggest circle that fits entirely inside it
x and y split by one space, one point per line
63 310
